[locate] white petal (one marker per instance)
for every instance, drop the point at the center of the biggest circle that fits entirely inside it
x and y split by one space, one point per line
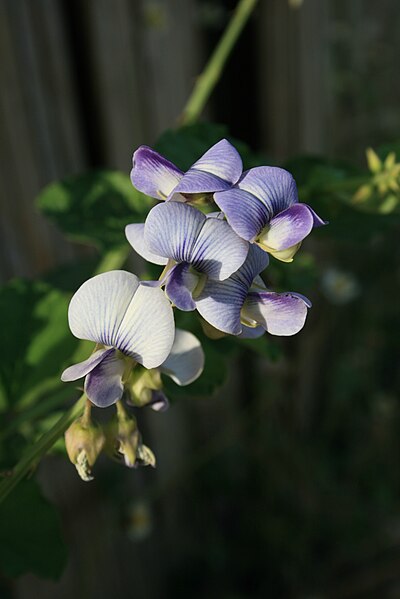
98 307
77 371
135 235
185 363
278 313
147 330
114 309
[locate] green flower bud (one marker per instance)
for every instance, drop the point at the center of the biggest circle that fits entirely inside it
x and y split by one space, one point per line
84 440
123 440
140 385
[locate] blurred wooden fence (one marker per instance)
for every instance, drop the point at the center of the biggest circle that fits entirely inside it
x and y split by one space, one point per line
81 82
84 82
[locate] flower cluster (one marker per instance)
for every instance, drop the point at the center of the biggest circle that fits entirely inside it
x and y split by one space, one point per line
212 264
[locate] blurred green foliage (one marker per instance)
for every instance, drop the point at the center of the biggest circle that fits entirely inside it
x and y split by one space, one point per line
30 535
94 207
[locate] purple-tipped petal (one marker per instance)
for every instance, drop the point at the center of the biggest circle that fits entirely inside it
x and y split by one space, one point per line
218 251
318 221
222 160
171 230
135 236
278 313
288 228
153 174
185 363
220 304
103 385
274 186
180 286
78 371
219 168
245 213
147 330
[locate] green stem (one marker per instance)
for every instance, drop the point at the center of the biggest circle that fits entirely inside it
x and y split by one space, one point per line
38 410
39 449
211 74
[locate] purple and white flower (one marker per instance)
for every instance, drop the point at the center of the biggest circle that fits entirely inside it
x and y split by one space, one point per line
242 305
263 208
196 248
218 169
130 322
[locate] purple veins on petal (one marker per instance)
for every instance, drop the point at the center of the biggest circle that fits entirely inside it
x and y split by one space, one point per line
153 174
171 230
219 168
255 263
116 310
180 286
220 302
218 251
261 193
184 234
241 303
263 207
246 214
273 186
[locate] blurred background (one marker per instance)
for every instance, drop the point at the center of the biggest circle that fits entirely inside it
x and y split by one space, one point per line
285 482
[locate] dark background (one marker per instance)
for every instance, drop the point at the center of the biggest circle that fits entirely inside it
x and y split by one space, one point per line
286 483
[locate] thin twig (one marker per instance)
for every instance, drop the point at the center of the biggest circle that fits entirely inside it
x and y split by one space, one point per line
210 76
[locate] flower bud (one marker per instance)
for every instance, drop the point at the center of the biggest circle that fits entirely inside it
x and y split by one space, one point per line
84 440
141 384
124 440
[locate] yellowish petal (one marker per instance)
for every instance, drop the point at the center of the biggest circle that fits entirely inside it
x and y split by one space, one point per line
282 255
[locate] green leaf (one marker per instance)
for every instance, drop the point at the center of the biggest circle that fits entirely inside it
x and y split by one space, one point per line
30 537
94 207
36 341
